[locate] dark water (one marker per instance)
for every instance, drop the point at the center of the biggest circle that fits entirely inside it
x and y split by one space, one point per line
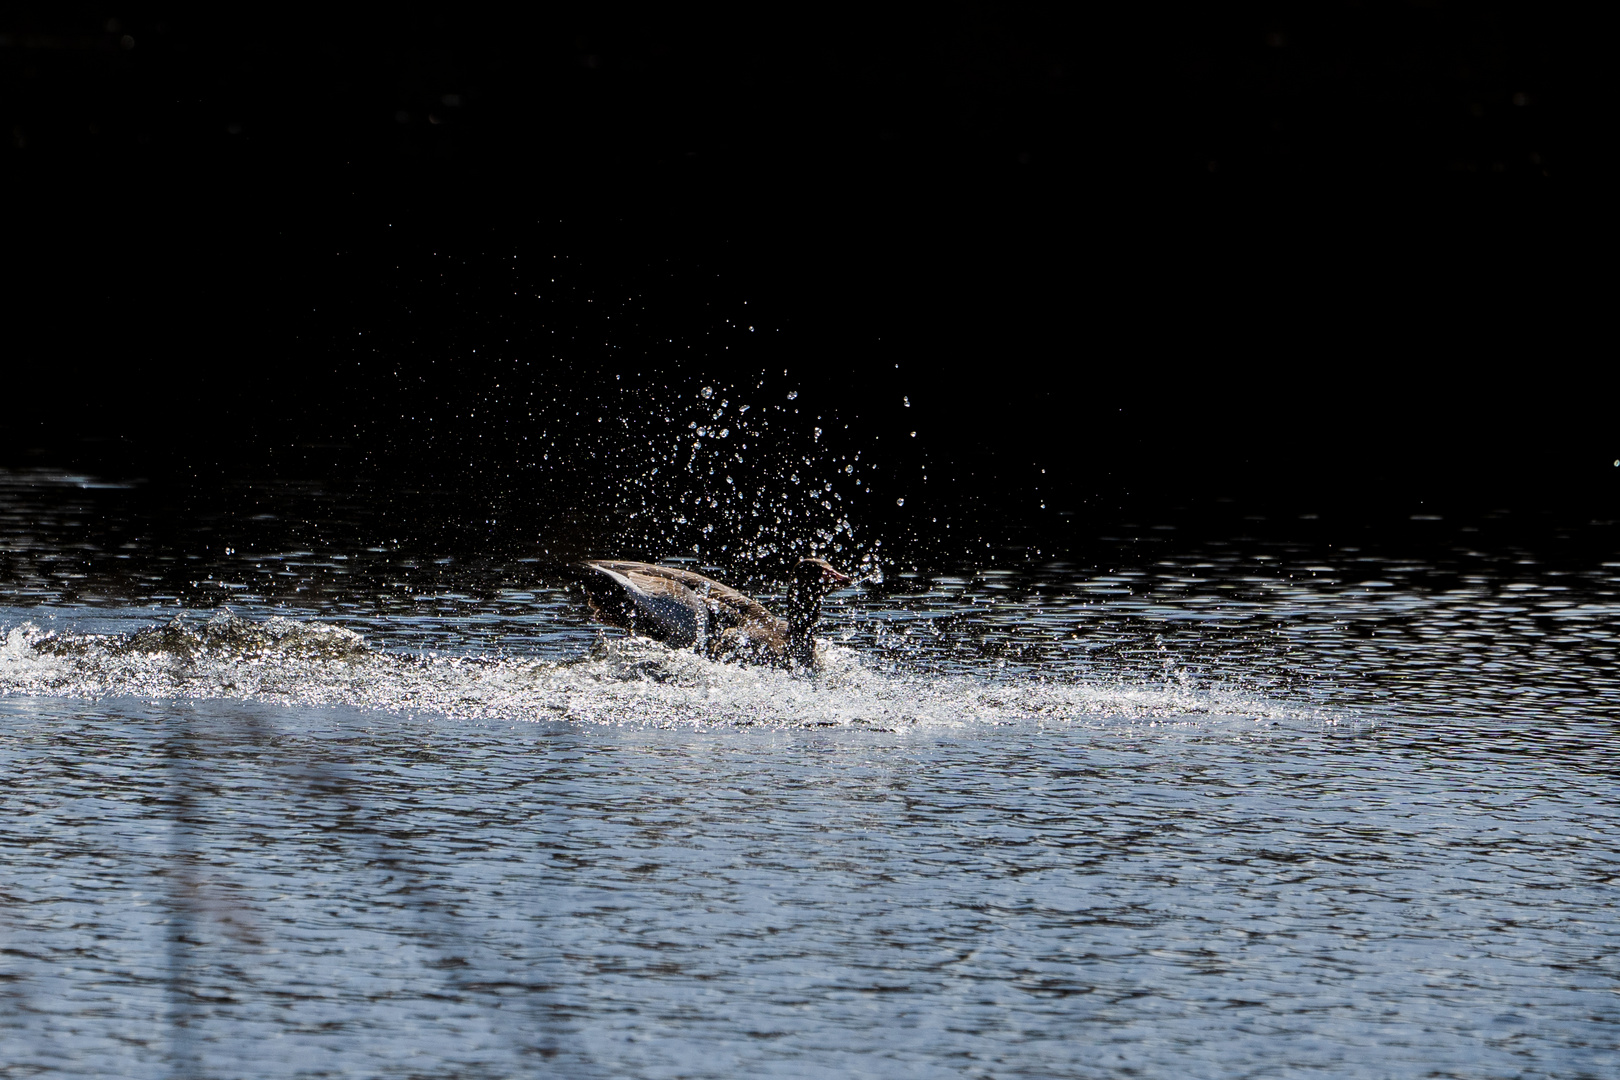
289 797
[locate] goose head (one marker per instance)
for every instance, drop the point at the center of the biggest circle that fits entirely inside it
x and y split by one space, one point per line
812 580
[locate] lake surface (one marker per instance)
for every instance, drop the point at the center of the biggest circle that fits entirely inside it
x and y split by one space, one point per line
287 797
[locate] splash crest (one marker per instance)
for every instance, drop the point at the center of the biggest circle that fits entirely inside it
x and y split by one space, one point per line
621 681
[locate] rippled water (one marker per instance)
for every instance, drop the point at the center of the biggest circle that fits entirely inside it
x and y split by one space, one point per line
290 796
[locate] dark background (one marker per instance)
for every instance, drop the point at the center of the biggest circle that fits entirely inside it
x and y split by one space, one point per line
1335 259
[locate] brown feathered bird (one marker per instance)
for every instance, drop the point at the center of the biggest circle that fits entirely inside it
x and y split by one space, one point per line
690 611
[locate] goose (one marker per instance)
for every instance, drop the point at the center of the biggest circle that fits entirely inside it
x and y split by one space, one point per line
689 611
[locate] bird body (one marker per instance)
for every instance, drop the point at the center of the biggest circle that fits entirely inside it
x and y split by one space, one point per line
687 610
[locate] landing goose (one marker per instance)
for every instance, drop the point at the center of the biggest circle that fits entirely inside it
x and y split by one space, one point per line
690 611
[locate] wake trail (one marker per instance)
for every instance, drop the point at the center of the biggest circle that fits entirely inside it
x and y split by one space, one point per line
624 682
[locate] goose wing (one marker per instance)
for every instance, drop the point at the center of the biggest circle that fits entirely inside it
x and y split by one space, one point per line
621 595
725 606
677 607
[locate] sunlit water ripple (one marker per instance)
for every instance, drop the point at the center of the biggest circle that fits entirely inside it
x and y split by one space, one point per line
1233 809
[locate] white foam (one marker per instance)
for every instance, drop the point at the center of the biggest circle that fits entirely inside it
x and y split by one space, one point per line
626 681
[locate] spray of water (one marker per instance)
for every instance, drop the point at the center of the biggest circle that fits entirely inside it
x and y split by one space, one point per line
625 681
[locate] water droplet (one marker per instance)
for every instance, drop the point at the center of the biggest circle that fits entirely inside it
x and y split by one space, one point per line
793 395
900 501
907 400
707 391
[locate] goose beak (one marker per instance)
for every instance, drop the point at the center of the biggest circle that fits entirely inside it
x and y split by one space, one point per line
835 577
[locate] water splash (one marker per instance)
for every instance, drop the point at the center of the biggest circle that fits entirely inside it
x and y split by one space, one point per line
717 475
624 681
